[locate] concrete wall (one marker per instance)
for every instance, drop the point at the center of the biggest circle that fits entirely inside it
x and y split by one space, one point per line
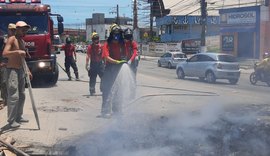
264 31
158 49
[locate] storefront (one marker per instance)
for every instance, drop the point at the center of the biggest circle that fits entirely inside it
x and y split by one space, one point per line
180 27
240 31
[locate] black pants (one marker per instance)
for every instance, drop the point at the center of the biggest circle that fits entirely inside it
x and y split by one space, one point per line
69 61
108 101
3 84
134 66
118 88
96 69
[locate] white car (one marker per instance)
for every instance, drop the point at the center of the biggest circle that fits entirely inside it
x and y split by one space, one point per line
80 48
209 67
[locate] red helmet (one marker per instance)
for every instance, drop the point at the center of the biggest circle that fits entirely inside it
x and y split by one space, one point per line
266 55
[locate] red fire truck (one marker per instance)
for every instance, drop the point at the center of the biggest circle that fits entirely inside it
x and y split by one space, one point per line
39 40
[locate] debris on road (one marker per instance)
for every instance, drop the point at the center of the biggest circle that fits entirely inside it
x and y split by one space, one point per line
2 104
7 147
62 129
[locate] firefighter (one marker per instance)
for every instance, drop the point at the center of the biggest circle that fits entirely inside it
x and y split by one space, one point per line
114 54
94 54
70 58
131 49
15 75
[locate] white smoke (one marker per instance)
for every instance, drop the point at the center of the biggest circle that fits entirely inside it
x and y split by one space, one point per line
212 130
124 87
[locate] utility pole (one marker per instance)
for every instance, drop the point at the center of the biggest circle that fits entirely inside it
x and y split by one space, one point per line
117 17
204 23
136 31
135 15
117 14
151 20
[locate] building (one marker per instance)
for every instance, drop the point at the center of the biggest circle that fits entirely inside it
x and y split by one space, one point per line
77 35
183 23
98 23
182 27
245 31
241 26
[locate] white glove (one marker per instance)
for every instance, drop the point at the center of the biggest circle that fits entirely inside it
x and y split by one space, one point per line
87 67
129 62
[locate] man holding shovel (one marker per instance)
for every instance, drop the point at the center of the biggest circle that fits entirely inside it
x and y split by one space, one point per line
15 75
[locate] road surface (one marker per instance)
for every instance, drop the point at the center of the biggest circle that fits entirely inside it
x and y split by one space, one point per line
168 117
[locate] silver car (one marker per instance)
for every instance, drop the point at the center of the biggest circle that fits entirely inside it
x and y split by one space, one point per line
209 67
171 59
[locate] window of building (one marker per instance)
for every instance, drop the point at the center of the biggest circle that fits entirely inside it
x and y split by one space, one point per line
169 29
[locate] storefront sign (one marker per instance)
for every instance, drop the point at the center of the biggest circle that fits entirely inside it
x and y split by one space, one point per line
247 17
157 48
174 47
160 47
191 46
227 43
185 20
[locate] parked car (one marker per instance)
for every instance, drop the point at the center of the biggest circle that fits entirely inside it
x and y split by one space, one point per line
209 67
80 48
171 59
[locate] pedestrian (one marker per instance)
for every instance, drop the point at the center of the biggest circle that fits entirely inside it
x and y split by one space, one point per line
11 32
3 101
70 58
94 54
15 75
131 48
114 54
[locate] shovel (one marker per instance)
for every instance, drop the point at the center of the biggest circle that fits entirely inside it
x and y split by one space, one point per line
30 91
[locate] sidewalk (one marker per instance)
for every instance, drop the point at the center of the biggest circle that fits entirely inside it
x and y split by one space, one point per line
247 65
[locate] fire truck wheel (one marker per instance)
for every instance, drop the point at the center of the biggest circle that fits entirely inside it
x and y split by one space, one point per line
54 77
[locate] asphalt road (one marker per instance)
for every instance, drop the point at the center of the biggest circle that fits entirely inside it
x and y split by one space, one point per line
149 67
168 117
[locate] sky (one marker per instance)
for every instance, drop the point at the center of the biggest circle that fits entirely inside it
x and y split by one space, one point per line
75 12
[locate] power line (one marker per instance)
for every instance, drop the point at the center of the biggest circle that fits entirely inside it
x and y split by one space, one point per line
143 10
192 4
193 11
233 5
211 3
176 4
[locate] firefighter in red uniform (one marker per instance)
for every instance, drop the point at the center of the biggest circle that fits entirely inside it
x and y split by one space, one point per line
69 59
131 49
114 53
94 54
